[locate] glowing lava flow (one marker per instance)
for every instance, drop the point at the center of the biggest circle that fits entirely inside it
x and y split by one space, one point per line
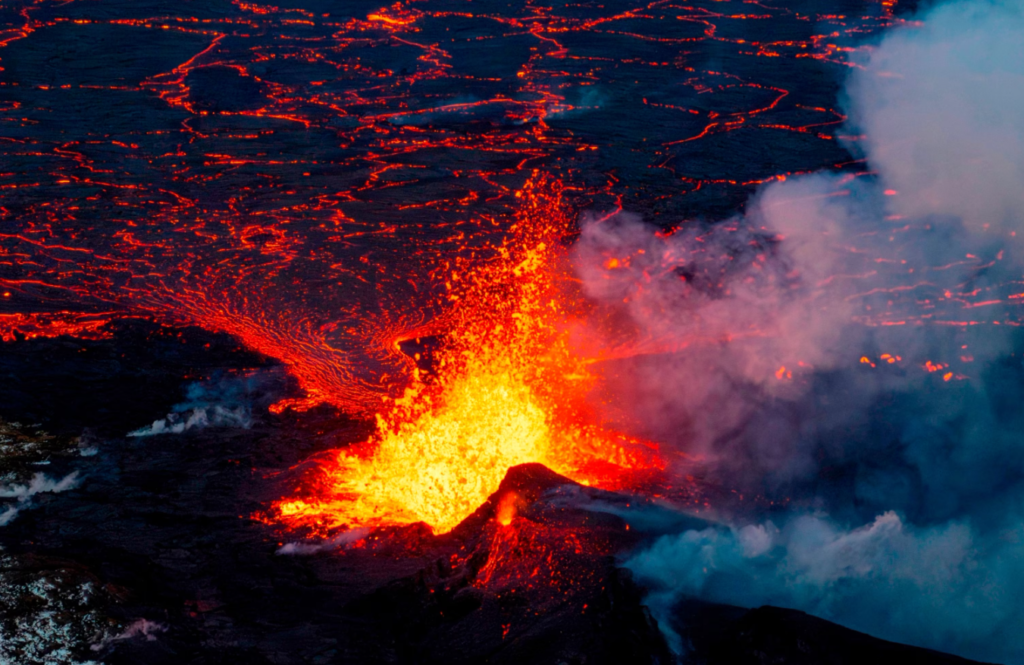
507 390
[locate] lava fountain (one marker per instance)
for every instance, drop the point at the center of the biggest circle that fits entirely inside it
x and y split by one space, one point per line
505 387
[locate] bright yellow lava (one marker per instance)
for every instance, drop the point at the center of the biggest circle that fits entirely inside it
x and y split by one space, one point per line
441 467
508 391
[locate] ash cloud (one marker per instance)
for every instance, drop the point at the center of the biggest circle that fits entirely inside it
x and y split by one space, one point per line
848 345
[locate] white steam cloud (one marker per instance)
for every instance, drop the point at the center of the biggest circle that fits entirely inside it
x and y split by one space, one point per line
942 109
742 342
221 403
340 541
40 484
941 586
197 418
727 313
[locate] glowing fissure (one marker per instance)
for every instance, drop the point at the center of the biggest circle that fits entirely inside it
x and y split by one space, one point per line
441 466
508 390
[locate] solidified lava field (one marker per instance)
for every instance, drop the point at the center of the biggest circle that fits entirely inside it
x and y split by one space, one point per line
314 350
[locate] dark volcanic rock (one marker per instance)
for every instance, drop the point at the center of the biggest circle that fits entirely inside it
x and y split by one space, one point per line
543 588
223 89
160 558
111 385
727 635
50 609
161 528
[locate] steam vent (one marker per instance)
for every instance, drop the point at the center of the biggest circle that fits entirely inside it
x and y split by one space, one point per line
523 332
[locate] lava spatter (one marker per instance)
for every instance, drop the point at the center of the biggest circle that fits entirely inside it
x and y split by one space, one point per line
506 389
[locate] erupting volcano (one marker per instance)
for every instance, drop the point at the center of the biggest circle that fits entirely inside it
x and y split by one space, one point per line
473 331
503 388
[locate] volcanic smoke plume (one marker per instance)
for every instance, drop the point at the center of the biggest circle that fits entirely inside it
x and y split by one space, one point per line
849 349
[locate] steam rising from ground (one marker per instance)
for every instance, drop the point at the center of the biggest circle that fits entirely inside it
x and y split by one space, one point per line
943 586
222 402
341 541
40 484
904 472
138 628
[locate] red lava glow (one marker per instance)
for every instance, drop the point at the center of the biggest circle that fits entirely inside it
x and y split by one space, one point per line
506 389
20 326
327 187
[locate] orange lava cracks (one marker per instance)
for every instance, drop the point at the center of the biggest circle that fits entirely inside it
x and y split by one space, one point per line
506 389
310 182
52 324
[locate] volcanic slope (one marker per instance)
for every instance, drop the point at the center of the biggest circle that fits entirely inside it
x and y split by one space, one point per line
158 534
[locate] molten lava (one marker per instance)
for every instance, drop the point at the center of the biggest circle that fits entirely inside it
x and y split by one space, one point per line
507 389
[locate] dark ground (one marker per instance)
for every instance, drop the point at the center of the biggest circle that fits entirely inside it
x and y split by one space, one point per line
160 528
